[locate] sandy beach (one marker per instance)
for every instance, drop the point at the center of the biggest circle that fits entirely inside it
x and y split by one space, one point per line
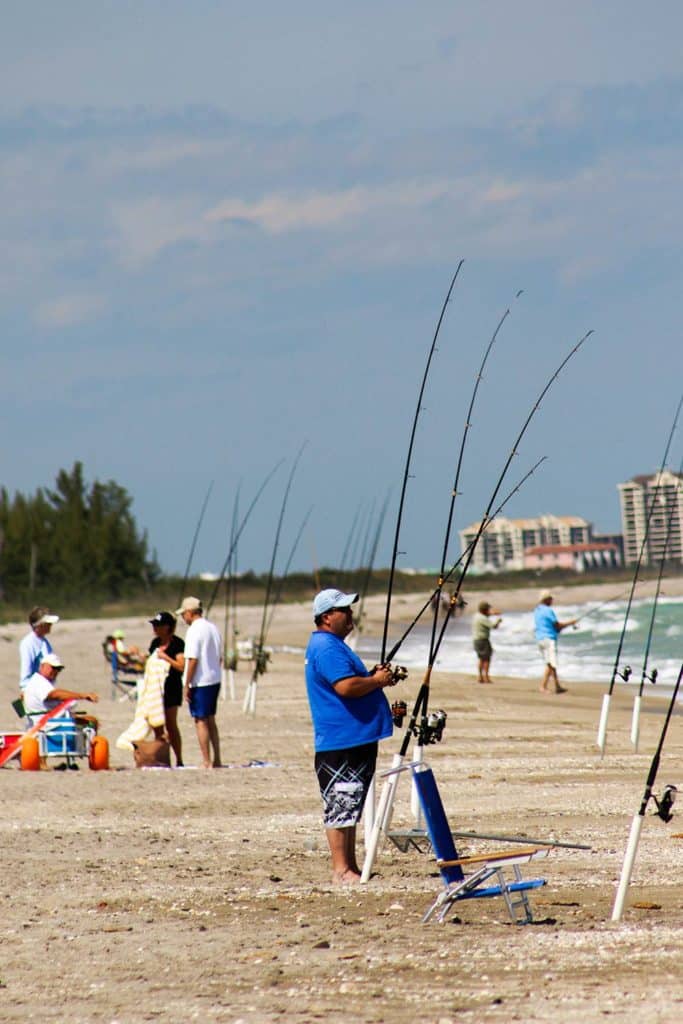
188 895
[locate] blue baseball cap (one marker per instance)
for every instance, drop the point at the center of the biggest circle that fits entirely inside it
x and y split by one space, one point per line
326 600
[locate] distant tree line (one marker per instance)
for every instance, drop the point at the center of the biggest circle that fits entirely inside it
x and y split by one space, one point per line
73 542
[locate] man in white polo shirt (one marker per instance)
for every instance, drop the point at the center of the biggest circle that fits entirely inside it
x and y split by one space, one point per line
35 645
202 677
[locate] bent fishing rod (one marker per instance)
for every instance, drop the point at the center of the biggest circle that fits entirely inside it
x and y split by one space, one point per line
186 574
456 481
488 518
288 563
599 607
625 673
261 657
664 805
365 584
406 471
238 533
645 675
395 649
431 727
230 661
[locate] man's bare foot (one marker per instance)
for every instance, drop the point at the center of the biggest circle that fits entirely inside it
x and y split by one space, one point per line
543 689
485 680
560 689
347 877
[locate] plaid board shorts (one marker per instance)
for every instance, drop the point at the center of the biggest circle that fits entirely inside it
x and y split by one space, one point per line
344 777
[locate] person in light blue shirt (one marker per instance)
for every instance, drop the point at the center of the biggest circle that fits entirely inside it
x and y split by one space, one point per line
35 645
547 628
350 715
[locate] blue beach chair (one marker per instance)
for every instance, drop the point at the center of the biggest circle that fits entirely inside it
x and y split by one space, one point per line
124 680
458 885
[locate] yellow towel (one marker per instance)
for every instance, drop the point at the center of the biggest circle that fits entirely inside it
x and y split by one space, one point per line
149 710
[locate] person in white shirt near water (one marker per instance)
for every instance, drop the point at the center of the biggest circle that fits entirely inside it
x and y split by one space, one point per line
482 624
202 678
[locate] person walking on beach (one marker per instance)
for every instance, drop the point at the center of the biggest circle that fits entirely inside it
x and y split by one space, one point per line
170 648
202 677
482 624
350 715
547 628
35 645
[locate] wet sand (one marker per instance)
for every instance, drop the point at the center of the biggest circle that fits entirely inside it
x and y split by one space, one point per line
185 895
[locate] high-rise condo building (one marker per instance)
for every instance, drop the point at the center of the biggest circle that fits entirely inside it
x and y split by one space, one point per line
664 495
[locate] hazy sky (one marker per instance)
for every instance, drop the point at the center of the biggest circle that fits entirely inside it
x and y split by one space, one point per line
229 228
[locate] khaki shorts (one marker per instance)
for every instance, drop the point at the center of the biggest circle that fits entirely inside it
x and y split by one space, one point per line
548 649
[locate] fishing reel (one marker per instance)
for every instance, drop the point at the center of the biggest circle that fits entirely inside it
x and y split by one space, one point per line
626 673
432 727
653 675
398 673
665 803
261 659
230 660
399 710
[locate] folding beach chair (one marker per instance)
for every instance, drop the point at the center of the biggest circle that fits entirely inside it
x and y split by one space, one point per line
458 885
123 680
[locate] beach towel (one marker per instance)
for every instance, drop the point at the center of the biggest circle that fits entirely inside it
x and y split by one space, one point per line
149 710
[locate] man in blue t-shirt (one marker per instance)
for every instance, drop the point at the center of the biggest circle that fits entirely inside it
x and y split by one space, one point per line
350 715
547 629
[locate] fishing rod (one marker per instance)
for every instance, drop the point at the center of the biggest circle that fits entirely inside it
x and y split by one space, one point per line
664 810
599 607
382 819
394 650
406 472
371 558
625 673
288 563
229 666
487 518
431 727
261 656
238 534
652 676
456 482
186 574
365 546
349 539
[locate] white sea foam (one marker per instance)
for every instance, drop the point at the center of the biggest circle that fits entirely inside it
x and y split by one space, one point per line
586 653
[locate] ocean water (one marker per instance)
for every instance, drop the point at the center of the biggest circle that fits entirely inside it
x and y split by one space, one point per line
585 654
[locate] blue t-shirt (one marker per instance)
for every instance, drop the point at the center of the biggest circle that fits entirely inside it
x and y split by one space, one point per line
341 722
545 621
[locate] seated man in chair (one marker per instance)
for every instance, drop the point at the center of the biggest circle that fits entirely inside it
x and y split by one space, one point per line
41 694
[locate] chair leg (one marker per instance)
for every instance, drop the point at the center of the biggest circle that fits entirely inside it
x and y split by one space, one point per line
515 902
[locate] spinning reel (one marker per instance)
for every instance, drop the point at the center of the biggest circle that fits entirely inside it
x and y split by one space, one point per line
665 803
653 675
625 674
261 659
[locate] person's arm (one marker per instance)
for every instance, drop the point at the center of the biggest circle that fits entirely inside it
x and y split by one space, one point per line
25 661
559 626
72 695
190 668
178 663
359 686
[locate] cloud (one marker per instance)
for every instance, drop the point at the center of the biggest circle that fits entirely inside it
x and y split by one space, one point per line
69 310
278 213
